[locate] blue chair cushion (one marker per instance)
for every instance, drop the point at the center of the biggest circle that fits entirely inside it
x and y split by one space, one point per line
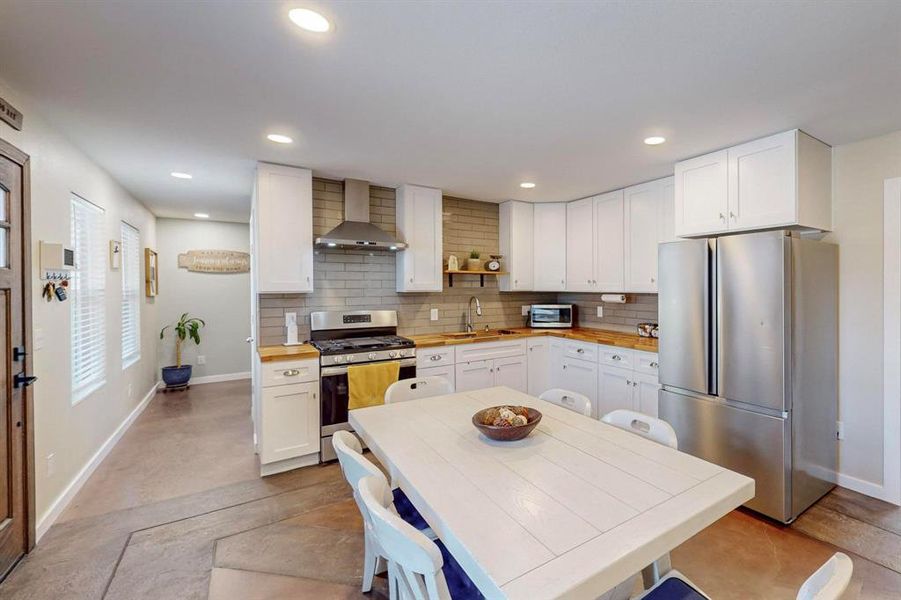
458 582
407 511
673 589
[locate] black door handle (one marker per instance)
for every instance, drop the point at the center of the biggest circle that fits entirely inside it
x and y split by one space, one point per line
21 379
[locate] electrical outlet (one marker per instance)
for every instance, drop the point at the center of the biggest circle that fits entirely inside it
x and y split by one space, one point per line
290 319
839 430
201 359
525 310
600 311
433 314
51 464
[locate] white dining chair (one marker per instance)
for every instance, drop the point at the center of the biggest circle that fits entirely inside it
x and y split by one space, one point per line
574 401
416 388
829 581
418 568
644 425
355 467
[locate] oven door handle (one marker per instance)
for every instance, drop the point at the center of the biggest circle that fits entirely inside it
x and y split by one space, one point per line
342 370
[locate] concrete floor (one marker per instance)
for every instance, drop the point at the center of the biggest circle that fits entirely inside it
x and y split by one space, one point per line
177 511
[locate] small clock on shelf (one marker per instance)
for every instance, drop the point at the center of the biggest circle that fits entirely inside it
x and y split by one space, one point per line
495 263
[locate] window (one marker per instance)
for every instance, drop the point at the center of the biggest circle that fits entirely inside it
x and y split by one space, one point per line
88 287
131 295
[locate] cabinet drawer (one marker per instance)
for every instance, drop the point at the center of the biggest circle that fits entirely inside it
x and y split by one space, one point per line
646 362
616 357
434 357
283 372
489 350
446 371
581 350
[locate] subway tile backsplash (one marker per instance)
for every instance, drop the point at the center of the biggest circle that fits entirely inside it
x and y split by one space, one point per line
356 279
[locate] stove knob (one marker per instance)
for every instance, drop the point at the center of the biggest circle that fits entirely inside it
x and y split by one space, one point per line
349 358
372 356
339 359
392 354
403 353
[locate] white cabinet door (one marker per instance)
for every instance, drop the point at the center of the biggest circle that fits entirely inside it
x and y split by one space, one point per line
643 221
762 183
608 241
667 227
549 240
511 372
517 243
539 365
614 389
283 229
556 353
419 224
702 195
580 246
581 376
645 390
290 421
474 375
447 371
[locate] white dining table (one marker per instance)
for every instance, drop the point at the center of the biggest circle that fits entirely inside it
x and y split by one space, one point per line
570 511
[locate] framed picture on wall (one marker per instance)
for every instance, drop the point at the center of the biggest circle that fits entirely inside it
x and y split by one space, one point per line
151 273
115 254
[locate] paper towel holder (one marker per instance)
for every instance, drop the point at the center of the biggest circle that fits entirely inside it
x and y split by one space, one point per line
613 298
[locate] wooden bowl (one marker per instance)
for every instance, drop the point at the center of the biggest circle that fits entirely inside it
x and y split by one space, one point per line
506 434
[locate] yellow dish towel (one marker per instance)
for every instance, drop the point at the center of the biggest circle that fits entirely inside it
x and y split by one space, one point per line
367 383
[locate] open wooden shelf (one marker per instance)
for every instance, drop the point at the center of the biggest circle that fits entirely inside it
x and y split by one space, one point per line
480 273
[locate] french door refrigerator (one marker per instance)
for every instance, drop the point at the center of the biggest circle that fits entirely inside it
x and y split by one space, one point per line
748 332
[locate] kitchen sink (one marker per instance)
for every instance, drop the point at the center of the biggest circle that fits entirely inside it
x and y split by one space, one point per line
491 333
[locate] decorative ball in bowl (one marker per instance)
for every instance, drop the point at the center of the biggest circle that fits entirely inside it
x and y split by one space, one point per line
506 423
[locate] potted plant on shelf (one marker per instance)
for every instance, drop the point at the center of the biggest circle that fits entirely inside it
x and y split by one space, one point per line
473 263
179 375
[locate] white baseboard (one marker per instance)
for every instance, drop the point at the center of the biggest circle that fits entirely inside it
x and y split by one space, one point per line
867 488
220 378
62 501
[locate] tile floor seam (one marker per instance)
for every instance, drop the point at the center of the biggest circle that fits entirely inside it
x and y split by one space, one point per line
225 537
112 576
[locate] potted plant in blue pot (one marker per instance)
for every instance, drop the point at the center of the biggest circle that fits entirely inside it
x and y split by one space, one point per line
179 375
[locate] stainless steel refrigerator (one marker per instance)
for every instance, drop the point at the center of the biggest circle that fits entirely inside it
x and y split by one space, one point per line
748 334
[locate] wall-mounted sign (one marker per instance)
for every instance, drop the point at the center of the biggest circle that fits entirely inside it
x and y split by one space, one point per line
10 115
215 261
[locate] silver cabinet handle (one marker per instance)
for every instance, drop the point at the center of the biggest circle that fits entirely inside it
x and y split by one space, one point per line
249 340
722 217
653 365
652 280
291 373
580 350
411 280
435 357
516 281
731 214
617 357
564 366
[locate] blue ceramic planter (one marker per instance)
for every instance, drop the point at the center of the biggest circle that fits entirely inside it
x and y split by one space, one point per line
177 376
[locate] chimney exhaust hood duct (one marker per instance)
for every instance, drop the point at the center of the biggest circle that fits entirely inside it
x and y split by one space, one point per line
356 231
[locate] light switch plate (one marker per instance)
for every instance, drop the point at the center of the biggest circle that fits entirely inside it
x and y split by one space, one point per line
600 311
433 314
201 359
290 319
525 309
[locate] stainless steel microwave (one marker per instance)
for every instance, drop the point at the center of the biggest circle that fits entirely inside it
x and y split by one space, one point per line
552 315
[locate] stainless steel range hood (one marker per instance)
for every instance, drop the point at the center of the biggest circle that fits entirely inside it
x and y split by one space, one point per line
356 231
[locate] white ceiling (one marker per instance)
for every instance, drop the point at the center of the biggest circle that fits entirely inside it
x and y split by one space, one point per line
469 97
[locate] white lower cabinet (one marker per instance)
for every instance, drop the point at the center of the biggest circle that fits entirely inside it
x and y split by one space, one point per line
479 374
645 391
290 427
614 389
511 372
474 375
581 376
539 365
446 371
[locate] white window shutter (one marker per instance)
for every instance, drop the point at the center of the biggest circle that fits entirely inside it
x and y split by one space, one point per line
87 299
131 295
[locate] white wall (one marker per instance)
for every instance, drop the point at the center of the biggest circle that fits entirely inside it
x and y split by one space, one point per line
73 434
221 300
858 172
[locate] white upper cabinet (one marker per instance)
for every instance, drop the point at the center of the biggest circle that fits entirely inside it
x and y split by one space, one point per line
784 180
419 224
645 215
608 242
701 194
516 244
580 246
283 229
549 236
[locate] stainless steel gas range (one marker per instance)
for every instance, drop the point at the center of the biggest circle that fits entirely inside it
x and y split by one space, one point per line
351 338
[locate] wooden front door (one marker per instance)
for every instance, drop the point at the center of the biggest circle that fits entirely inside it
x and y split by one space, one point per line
15 416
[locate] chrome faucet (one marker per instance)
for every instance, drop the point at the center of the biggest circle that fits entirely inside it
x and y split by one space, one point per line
469 328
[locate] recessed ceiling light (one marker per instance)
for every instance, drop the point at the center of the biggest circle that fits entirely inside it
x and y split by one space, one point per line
654 140
178 175
528 185
309 20
279 138
202 215
332 245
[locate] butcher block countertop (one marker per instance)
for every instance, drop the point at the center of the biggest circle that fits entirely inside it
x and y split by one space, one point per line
582 334
270 353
